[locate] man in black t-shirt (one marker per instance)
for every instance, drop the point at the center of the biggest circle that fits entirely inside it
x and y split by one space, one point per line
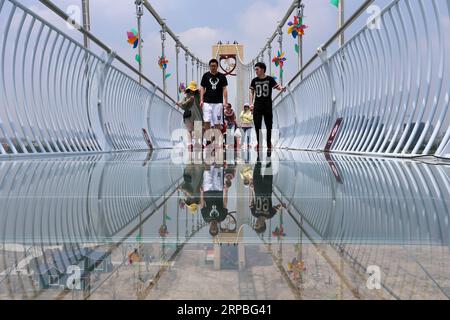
214 198
261 97
261 204
213 96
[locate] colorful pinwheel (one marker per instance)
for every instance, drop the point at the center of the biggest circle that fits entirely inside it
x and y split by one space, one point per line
163 62
279 232
163 232
133 38
182 88
296 265
279 59
296 27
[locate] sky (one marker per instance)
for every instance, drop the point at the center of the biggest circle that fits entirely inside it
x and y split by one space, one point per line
200 24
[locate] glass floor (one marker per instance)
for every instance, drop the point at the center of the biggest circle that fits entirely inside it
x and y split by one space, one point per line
173 225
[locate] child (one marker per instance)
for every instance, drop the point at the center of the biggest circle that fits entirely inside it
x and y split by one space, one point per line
247 124
231 123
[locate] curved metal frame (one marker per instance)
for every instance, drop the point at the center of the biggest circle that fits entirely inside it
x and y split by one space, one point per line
45 76
390 86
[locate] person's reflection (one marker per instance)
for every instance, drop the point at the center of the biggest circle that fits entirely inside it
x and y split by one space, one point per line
193 179
261 204
214 198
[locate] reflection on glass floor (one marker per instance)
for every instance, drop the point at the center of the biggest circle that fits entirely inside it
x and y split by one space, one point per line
173 226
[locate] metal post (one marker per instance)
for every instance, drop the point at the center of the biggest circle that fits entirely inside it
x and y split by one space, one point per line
186 60
269 53
87 27
86 20
193 62
301 8
177 52
341 21
163 55
280 42
139 14
198 69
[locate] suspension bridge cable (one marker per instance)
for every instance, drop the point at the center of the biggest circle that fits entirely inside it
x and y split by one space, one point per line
55 9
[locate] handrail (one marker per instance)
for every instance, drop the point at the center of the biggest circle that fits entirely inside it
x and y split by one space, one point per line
293 6
383 95
54 8
333 38
169 31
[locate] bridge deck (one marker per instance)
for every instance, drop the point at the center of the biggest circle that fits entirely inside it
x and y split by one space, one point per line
341 215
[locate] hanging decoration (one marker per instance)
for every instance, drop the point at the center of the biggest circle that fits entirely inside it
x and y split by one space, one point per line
133 38
296 268
279 59
134 257
182 88
279 232
296 27
163 62
163 232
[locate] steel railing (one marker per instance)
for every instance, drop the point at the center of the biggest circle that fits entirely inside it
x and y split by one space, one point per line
57 97
92 199
372 211
388 84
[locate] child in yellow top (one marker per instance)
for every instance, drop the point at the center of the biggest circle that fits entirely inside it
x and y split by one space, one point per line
247 124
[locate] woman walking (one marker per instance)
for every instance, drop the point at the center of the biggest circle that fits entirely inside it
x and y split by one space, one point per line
192 111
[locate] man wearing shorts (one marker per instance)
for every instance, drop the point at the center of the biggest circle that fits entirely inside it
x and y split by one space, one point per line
213 97
214 198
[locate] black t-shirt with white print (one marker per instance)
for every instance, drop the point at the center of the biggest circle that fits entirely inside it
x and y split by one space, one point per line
262 205
214 85
263 89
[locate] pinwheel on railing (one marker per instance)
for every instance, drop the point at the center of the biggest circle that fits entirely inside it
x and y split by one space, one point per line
280 59
296 27
163 62
133 39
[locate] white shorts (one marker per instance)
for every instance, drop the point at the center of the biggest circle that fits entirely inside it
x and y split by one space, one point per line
213 179
213 113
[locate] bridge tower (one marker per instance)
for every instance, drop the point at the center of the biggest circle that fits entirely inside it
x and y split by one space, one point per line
231 57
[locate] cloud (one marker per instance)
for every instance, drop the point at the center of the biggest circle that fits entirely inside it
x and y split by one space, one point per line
257 22
201 40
